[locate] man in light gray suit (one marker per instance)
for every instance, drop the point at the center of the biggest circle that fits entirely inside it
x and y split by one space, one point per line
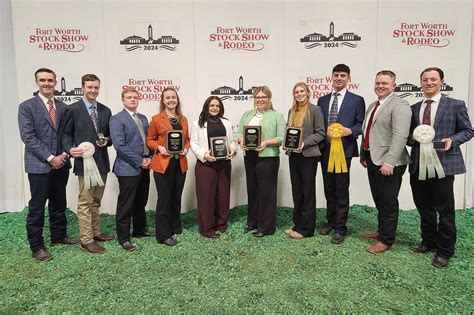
128 130
383 153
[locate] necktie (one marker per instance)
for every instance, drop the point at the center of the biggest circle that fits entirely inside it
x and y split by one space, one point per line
139 124
369 125
52 112
94 116
333 111
427 113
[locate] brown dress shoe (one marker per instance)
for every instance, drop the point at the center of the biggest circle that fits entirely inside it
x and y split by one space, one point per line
42 255
92 248
104 238
295 235
378 248
65 241
374 236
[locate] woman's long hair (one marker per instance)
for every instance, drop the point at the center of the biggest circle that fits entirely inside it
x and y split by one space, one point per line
179 114
204 115
299 107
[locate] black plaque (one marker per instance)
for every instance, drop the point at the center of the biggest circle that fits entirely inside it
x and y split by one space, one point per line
219 147
252 137
174 141
100 138
439 145
293 138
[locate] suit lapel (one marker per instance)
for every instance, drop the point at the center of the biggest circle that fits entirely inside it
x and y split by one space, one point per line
345 101
45 112
416 113
442 108
59 112
83 110
383 107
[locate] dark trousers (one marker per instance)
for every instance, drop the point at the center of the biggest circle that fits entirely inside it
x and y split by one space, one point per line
262 180
168 208
336 191
433 197
385 191
213 196
51 187
132 199
303 186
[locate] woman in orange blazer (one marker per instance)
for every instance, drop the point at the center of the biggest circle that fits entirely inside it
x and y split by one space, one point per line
169 170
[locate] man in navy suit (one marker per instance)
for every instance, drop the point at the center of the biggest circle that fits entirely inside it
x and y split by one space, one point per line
347 109
41 122
128 130
86 120
435 196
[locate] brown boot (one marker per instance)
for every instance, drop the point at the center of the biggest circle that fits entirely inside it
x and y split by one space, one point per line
92 248
378 248
42 255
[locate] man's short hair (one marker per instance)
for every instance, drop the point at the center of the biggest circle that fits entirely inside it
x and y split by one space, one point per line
440 72
89 77
128 89
390 73
45 70
341 68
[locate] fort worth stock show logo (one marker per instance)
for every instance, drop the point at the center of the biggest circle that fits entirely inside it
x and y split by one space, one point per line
149 89
66 96
239 38
226 92
436 35
135 42
320 40
59 39
409 90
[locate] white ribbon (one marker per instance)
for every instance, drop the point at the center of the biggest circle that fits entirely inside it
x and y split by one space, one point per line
429 160
91 173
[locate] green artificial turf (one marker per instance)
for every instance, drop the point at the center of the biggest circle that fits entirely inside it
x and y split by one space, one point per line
238 273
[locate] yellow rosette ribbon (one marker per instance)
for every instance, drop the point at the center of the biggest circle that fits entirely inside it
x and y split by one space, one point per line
337 159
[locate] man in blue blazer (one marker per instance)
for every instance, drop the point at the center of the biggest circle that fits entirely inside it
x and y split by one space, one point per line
435 196
128 130
41 122
347 109
86 121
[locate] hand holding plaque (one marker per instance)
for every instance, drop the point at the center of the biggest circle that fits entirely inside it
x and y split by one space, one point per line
174 141
252 137
293 139
219 147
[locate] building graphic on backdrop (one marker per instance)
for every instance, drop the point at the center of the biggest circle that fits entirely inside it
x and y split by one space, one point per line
411 90
66 96
320 40
135 42
227 92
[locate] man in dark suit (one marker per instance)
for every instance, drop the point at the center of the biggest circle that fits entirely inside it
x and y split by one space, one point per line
435 196
128 130
383 153
41 122
347 109
88 121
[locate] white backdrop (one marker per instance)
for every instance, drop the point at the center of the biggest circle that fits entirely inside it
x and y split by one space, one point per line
226 48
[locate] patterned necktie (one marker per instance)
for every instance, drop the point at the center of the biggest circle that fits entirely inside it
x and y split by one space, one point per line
139 124
52 112
333 112
427 113
94 116
369 125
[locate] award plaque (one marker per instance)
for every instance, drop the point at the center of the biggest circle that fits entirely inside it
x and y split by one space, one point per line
174 141
252 137
100 138
219 147
293 138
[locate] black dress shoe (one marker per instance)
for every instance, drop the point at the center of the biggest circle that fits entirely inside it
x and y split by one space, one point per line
422 249
338 238
169 241
325 230
258 234
65 241
440 262
128 246
144 234
42 255
249 229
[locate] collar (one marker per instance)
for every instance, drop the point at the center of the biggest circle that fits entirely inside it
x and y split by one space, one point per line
45 100
88 104
435 98
383 100
342 92
130 112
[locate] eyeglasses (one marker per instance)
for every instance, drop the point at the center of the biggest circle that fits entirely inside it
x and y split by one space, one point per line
261 98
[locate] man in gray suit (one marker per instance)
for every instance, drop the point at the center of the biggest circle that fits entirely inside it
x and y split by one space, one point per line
383 153
41 122
128 130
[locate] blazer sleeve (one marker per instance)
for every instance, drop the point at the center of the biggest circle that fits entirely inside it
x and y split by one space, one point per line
186 133
68 135
318 132
152 136
117 134
28 133
280 128
198 151
359 118
401 119
463 129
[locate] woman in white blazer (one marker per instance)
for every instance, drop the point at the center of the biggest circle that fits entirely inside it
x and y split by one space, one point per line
212 174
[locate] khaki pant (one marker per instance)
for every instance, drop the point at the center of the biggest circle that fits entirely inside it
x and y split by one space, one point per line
88 205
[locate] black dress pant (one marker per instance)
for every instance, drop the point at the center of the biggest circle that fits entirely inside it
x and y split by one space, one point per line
433 197
336 191
303 186
385 191
168 208
51 187
262 179
132 199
